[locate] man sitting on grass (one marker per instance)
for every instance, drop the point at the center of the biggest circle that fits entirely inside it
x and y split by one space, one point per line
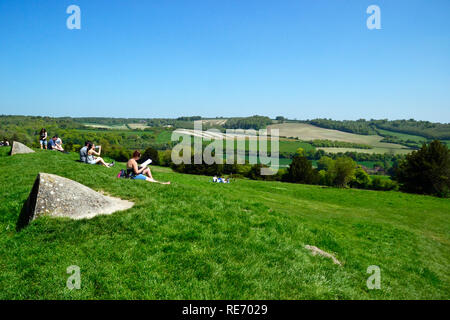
83 152
55 144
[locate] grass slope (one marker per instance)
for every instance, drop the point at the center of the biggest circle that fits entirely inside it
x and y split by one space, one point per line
309 132
197 240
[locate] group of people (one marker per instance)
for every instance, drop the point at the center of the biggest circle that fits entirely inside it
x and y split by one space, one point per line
4 143
55 143
90 154
221 180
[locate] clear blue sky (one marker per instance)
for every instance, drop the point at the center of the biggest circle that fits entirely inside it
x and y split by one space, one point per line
300 59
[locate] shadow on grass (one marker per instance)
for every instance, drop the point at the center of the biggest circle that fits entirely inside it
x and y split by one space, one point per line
27 212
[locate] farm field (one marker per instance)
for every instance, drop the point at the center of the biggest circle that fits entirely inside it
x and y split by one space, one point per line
309 132
379 150
117 127
199 240
403 136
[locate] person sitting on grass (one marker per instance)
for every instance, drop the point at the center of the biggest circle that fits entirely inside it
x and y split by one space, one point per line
83 152
138 173
59 143
93 157
54 144
4 143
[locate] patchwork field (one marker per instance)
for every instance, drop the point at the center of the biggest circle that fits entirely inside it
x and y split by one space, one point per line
309 132
104 126
198 240
403 136
379 150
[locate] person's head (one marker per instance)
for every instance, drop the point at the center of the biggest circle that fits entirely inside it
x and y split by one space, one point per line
89 145
136 155
43 131
86 143
54 138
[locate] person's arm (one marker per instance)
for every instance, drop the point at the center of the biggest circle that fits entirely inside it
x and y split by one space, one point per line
136 169
92 151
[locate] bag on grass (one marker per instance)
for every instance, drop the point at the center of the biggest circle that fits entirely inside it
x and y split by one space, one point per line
122 174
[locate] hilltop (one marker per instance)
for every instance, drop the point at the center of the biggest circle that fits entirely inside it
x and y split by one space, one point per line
199 240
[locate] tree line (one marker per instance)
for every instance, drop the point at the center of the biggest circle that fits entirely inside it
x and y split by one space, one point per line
426 129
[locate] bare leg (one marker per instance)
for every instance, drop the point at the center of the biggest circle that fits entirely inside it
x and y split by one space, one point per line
102 162
153 180
148 173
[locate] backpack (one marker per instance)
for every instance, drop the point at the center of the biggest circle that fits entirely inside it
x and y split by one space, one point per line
122 174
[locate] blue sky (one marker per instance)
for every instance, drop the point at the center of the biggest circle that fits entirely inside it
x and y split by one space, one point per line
168 58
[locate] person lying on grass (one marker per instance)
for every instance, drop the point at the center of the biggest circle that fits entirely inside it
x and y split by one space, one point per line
93 157
138 173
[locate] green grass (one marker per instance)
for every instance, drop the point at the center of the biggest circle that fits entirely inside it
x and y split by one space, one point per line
370 164
292 146
403 136
199 240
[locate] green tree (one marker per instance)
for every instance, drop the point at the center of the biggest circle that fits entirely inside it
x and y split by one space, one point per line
427 170
325 163
343 171
151 153
361 179
301 171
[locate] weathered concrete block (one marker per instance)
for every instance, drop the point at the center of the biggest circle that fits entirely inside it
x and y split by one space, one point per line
56 196
19 148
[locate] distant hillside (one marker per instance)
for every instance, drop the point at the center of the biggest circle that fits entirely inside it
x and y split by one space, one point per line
425 129
308 132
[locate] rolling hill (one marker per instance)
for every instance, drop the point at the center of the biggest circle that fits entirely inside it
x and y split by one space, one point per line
308 132
199 240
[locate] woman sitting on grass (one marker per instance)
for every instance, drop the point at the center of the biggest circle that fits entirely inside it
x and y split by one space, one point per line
93 157
137 173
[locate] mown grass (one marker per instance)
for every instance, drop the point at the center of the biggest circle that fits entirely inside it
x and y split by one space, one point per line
199 240
403 136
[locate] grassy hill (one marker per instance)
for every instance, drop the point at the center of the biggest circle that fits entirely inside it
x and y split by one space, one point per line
307 132
199 240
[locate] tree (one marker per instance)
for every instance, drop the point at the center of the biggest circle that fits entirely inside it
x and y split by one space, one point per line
343 171
361 179
166 158
300 151
301 171
325 163
151 153
427 170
